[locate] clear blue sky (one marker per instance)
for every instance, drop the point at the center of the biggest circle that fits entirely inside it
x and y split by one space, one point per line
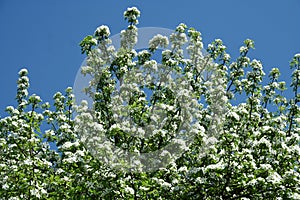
43 36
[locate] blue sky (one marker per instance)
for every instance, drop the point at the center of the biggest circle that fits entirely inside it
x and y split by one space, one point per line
43 36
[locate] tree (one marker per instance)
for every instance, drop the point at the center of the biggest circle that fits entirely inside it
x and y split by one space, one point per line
157 129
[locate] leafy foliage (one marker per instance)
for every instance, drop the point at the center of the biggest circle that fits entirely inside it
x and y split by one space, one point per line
255 153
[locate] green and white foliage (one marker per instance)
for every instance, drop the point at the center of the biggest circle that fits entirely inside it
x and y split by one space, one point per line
26 161
145 113
117 148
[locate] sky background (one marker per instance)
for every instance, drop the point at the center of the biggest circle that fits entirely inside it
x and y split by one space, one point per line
43 36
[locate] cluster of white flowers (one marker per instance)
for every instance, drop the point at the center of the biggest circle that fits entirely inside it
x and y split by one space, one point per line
219 165
23 72
129 37
179 38
102 32
158 41
297 55
234 115
274 178
129 190
23 84
68 145
131 14
175 119
70 159
151 65
243 49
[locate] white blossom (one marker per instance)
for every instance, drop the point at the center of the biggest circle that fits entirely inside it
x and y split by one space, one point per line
23 72
129 190
274 178
103 31
5 186
158 41
297 55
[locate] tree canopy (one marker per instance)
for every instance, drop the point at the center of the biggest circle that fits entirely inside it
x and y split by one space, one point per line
190 123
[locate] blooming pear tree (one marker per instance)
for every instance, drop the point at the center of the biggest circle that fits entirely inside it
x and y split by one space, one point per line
173 121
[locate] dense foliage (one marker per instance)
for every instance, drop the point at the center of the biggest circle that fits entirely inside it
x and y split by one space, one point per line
245 134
